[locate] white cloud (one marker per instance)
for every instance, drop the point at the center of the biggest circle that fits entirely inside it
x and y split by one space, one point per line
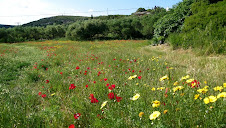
14 12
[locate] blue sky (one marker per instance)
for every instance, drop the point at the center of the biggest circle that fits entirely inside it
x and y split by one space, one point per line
14 12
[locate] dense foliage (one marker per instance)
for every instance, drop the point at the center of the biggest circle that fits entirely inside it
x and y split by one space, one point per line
180 25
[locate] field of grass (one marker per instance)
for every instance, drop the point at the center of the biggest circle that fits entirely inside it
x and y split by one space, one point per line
117 83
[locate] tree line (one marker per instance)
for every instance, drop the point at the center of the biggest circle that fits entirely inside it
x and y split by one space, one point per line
190 23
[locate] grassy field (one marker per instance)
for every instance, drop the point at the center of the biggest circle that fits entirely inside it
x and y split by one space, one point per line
117 83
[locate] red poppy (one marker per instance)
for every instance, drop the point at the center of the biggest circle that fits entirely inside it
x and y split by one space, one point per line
93 100
40 93
44 95
111 95
77 67
139 77
61 73
113 86
47 81
77 115
94 82
118 98
86 86
105 79
133 71
107 84
72 126
72 86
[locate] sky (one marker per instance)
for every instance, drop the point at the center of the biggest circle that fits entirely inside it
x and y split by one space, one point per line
18 12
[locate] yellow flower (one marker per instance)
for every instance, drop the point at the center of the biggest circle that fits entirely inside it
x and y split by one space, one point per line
137 83
206 100
204 90
176 83
154 115
224 84
161 88
182 94
196 96
136 97
189 80
223 94
163 78
177 88
156 104
212 98
132 77
205 82
53 94
103 104
206 87
153 89
165 111
141 114
218 88
185 77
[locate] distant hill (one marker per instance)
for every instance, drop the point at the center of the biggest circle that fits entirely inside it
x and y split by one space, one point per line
68 19
6 26
56 20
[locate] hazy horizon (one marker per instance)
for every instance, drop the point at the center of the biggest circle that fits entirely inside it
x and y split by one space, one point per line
17 12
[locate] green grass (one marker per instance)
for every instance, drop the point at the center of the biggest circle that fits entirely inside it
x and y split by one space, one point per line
26 67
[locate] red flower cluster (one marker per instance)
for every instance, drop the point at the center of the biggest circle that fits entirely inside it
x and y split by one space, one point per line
111 96
77 115
93 99
72 86
195 83
111 87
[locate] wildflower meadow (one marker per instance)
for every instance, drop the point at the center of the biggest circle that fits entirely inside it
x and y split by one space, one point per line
109 84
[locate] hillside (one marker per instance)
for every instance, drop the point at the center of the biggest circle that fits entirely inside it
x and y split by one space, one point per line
56 20
59 20
6 26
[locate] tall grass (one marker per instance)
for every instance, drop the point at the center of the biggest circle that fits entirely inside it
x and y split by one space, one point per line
44 94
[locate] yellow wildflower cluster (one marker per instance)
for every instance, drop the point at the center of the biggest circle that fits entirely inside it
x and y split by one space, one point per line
164 78
223 95
210 99
177 88
203 90
132 77
185 77
218 88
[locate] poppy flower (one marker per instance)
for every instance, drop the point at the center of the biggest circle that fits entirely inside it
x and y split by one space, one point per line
77 115
44 95
72 86
61 73
72 126
40 93
105 79
77 67
93 100
118 98
111 95
139 77
86 86
107 84
47 81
